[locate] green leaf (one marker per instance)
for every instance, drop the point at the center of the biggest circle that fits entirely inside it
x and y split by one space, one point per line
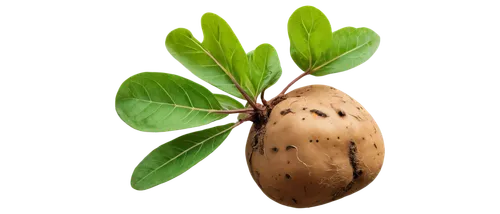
309 36
157 102
351 47
314 45
228 103
219 59
177 156
265 68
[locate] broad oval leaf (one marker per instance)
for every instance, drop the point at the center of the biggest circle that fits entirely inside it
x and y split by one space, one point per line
228 103
157 102
351 47
265 68
218 60
177 156
310 36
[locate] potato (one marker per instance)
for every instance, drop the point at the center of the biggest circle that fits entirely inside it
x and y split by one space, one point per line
317 146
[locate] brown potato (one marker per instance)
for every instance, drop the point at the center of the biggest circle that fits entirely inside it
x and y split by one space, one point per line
317 146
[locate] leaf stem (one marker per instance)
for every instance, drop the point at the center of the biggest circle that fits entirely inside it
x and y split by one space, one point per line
249 100
248 118
295 80
264 101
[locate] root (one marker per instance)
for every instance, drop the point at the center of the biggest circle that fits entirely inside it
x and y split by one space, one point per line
335 178
329 182
298 158
332 164
371 175
353 160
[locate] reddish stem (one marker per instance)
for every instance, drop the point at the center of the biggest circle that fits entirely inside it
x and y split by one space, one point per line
295 80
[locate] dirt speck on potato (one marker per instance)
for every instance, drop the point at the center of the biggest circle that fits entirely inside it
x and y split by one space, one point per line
319 113
286 111
353 160
358 118
278 100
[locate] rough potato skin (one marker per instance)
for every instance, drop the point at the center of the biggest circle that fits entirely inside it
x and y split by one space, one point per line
318 146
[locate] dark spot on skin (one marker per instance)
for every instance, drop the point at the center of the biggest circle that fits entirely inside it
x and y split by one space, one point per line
363 138
353 160
319 113
358 108
317 141
375 146
338 138
303 118
288 177
358 118
275 149
257 173
294 201
298 96
347 127
288 162
327 138
255 142
310 141
348 187
258 141
274 123
289 147
304 109
286 111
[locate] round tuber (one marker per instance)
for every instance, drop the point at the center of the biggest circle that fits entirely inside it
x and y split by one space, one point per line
316 145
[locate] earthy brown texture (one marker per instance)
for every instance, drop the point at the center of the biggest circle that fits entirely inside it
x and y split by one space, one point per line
317 146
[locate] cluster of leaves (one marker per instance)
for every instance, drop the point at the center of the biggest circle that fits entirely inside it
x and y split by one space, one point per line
159 102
